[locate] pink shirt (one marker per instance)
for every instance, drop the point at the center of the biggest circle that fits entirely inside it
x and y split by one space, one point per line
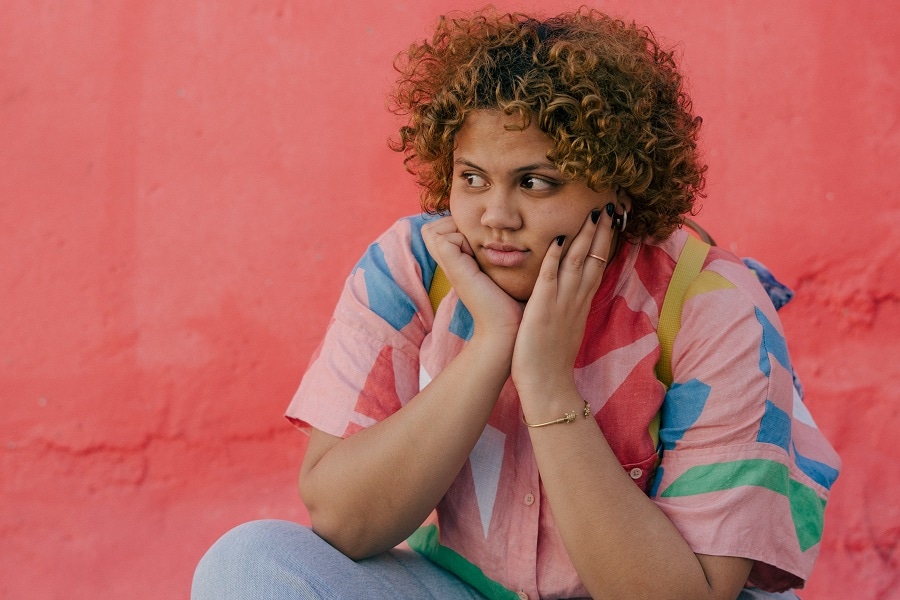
744 471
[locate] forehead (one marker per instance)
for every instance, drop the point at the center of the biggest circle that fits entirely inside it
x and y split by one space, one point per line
493 137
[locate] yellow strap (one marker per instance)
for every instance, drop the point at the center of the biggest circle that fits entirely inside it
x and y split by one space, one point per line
690 262
440 286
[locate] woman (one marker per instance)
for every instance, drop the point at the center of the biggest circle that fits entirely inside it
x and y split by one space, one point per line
557 160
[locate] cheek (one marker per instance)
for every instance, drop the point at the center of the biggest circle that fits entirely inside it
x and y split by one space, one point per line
550 224
463 213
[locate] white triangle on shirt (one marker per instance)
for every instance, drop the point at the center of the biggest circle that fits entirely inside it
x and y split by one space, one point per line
424 377
486 460
801 413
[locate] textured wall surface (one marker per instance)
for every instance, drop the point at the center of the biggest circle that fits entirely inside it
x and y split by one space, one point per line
184 186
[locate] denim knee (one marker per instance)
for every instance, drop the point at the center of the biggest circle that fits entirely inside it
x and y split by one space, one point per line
245 562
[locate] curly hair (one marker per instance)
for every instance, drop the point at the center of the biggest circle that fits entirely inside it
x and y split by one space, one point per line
605 91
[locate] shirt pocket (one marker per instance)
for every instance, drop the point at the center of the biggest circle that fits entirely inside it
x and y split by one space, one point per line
642 472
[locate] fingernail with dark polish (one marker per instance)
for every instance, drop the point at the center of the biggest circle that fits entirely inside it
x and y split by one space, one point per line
560 240
595 215
610 209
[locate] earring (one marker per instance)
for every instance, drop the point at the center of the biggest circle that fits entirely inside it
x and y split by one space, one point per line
619 221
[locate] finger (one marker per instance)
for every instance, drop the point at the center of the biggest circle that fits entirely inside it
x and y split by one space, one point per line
601 243
436 233
599 254
465 247
453 253
577 262
447 246
546 285
446 227
434 229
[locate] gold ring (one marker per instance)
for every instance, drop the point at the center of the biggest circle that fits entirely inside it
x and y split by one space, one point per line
600 258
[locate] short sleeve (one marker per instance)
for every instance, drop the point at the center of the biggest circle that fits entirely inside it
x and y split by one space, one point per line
367 365
744 471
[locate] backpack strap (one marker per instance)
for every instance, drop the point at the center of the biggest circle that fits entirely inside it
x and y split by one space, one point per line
440 286
690 262
689 265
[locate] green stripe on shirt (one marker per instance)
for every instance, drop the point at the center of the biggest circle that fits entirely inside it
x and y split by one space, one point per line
807 509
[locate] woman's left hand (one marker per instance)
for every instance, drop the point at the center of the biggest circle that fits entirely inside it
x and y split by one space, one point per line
555 316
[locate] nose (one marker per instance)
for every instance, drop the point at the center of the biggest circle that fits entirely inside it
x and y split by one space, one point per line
501 211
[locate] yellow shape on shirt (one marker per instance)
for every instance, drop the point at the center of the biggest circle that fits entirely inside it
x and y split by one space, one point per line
707 281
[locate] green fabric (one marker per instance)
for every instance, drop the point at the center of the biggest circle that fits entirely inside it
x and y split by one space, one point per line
426 541
808 512
807 509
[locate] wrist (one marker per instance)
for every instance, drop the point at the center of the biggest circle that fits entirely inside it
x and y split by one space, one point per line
568 417
550 404
494 340
491 351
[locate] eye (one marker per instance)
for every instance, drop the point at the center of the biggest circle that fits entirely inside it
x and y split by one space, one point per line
474 180
538 184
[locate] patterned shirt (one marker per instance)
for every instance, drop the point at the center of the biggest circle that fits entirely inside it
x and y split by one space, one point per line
738 464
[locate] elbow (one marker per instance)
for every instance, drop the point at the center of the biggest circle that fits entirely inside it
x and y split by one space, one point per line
355 534
344 531
353 540
338 533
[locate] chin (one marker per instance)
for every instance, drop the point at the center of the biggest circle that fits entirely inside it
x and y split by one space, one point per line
520 295
517 289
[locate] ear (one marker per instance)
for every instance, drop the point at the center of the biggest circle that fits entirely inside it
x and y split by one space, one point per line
623 200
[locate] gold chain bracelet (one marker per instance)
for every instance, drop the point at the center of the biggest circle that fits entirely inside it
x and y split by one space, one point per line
567 418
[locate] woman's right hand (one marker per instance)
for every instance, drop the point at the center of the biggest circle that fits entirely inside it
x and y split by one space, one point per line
358 500
492 309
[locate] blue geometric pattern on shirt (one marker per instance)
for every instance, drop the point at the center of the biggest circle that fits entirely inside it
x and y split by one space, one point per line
419 250
775 427
819 472
462 324
772 343
681 407
386 298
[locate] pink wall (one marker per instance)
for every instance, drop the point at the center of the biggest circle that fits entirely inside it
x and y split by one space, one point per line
184 185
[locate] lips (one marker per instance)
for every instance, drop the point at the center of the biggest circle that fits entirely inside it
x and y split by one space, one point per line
504 255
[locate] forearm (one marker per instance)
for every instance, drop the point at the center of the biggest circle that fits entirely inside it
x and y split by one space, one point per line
621 544
370 491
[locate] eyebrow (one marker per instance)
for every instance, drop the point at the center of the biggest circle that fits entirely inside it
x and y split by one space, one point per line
523 169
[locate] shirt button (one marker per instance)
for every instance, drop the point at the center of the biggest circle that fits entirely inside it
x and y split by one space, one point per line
522 595
529 500
636 472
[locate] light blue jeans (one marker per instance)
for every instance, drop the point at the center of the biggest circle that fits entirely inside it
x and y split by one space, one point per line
276 560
